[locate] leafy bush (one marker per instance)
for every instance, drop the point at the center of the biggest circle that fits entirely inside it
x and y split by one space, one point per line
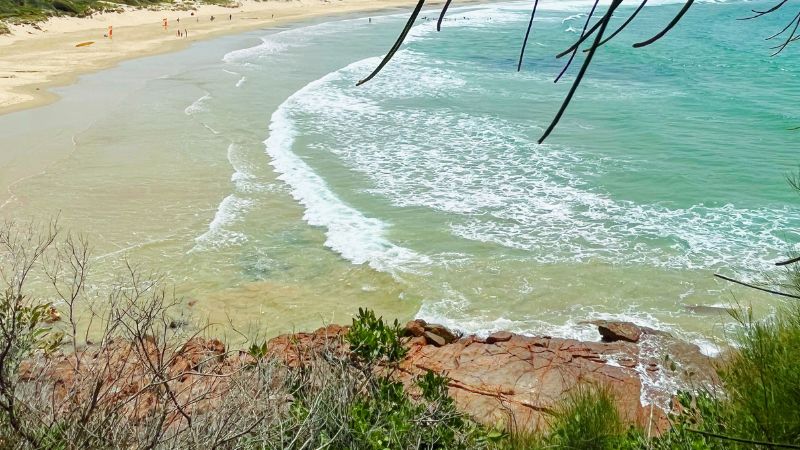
387 418
373 341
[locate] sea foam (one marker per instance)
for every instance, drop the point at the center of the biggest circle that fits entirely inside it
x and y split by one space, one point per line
350 233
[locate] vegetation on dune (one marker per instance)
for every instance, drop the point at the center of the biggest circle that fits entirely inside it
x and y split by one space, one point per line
33 11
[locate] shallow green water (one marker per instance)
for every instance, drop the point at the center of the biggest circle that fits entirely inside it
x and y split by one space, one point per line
278 194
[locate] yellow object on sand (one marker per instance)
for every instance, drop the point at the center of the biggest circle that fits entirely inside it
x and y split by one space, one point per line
85 44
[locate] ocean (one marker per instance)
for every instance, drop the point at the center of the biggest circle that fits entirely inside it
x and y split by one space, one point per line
278 195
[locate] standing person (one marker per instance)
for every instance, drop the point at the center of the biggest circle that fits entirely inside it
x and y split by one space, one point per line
370 20
110 32
165 23
230 16
185 33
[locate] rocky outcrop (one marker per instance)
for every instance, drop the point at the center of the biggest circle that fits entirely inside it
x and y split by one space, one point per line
518 380
502 378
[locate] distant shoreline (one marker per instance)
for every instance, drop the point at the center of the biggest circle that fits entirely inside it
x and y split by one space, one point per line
36 58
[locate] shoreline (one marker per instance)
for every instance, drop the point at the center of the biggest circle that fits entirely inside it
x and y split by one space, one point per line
39 57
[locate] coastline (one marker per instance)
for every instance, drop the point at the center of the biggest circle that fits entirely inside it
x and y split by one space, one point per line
42 56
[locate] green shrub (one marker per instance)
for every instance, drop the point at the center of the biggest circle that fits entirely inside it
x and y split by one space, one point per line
66 6
761 385
371 340
762 379
588 419
387 418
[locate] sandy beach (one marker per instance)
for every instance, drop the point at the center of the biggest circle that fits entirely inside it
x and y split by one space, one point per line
37 57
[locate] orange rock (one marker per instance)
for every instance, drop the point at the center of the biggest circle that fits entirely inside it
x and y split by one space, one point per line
415 328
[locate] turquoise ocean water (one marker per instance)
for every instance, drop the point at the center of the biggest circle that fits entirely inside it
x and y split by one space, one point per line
424 193
671 158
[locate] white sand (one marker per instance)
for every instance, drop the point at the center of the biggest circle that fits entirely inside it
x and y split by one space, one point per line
35 58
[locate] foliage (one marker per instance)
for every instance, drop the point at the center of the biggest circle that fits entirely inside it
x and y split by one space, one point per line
762 379
258 351
588 419
383 416
332 400
388 418
761 385
372 340
33 11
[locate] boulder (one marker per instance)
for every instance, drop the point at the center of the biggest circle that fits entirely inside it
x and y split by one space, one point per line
498 336
618 331
415 328
441 331
435 339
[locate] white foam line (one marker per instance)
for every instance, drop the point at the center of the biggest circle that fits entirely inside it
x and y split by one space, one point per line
229 212
208 127
197 105
134 246
355 237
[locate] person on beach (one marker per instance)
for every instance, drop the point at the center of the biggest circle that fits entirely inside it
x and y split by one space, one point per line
165 23
230 16
185 33
110 32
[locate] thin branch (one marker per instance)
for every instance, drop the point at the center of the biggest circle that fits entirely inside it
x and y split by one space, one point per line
527 33
770 291
397 43
583 31
744 441
761 13
663 32
784 28
580 41
582 72
441 16
791 37
622 27
786 263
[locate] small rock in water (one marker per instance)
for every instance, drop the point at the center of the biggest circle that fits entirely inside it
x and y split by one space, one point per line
706 309
618 331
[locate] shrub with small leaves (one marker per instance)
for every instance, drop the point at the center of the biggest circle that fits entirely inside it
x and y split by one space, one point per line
372 340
